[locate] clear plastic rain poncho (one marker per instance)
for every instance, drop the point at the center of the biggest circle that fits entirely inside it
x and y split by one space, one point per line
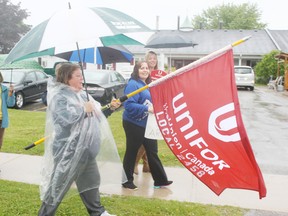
74 142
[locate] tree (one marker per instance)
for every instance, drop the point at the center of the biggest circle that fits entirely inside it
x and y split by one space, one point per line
229 16
267 67
12 27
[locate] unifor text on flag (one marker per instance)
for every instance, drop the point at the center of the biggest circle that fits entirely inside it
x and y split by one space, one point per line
199 117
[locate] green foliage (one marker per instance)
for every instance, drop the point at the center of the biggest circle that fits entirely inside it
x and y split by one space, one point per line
230 16
12 27
267 67
23 199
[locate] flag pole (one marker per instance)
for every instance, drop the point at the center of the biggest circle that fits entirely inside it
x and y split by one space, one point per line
35 143
164 78
241 41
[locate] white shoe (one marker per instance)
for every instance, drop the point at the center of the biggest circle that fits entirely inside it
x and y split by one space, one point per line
105 213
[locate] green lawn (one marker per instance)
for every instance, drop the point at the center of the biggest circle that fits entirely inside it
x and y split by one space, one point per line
23 199
27 127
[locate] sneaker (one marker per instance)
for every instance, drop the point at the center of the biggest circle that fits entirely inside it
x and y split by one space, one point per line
130 185
105 213
163 185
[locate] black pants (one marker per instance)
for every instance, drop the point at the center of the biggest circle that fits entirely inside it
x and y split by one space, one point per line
90 198
1 134
134 139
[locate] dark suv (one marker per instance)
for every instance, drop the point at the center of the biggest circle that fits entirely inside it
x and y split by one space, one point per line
29 84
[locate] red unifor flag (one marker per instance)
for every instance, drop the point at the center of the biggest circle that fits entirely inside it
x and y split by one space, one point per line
198 114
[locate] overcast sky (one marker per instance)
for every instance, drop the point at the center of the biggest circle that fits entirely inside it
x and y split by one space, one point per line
273 12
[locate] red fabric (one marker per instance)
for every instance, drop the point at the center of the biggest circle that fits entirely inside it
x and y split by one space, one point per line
156 74
199 116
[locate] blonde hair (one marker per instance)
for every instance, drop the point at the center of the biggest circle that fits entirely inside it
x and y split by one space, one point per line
148 54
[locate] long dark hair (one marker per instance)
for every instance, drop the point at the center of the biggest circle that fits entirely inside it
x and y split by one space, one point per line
135 73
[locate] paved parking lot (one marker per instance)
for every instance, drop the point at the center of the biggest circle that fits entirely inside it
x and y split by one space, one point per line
265 115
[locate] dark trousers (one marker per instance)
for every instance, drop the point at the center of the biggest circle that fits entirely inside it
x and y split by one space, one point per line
90 197
2 130
134 139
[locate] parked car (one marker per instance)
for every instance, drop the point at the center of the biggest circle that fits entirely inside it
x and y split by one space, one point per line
126 72
126 75
103 85
244 76
29 84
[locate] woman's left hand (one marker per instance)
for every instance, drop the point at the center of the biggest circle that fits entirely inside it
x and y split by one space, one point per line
11 90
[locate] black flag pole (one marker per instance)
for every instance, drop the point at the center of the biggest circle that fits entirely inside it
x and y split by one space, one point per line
82 70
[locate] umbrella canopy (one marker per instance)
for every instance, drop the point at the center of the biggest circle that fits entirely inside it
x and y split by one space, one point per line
74 29
170 39
100 55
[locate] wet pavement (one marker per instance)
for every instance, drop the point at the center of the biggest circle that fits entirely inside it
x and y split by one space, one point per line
265 116
26 169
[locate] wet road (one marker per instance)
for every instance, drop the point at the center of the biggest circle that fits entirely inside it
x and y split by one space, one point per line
36 105
265 116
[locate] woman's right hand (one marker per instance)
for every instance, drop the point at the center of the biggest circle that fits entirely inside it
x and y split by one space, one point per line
88 107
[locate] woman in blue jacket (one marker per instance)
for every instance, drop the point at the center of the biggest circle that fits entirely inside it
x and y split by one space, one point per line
134 123
7 99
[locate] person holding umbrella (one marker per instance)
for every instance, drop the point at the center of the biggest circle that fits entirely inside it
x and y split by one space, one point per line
134 123
7 99
152 61
75 129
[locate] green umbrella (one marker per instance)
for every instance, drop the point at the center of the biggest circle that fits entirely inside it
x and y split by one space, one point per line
78 28
24 64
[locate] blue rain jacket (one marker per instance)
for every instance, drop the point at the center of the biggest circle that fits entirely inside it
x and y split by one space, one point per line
6 102
136 108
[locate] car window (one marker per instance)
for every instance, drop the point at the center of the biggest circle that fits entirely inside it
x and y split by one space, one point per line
113 77
120 78
12 76
40 75
243 70
30 76
96 77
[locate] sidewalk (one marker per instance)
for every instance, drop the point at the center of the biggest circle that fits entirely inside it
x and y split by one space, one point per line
26 169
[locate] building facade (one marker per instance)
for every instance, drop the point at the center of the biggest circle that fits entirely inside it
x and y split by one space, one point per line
262 42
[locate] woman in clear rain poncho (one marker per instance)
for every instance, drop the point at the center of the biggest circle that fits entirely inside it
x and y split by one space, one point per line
75 129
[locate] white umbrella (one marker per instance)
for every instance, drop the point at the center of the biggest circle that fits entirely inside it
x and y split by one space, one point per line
77 28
